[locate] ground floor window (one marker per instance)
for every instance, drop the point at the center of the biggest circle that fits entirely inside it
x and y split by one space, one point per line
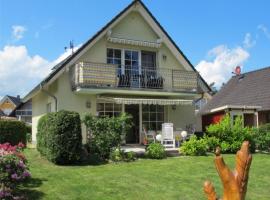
152 117
108 109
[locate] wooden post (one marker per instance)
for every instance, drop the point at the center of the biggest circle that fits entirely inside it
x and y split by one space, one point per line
234 182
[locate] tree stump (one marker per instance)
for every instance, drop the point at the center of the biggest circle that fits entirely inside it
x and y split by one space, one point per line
234 182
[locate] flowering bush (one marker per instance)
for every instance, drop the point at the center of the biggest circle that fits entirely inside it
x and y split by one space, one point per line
13 169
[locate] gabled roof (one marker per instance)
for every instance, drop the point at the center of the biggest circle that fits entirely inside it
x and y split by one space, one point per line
56 69
15 100
251 89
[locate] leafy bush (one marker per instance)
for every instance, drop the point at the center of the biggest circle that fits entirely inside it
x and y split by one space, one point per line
106 133
13 170
119 155
212 143
262 137
231 136
155 151
12 132
194 147
59 137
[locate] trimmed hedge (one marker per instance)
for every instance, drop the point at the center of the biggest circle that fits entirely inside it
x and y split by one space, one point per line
59 137
12 132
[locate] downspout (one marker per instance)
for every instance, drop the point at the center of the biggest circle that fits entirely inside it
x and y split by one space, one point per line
49 94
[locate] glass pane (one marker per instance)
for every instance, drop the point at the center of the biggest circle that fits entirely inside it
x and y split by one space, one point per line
127 62
116 114
160 117
101 114
135 55
152 108
128 55
117 53
160 108
145 108
100 107
117 107
145 116
152 126
109 114
153 117
146 126
109 53
108 107
117 61
109 61
159 126
135 63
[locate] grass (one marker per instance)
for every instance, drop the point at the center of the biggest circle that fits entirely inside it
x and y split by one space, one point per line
173 178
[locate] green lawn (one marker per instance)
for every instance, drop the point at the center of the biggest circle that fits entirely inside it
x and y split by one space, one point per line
172 178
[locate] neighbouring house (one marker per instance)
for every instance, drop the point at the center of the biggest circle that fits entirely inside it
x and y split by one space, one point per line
11 106
131 65
9 103
247 95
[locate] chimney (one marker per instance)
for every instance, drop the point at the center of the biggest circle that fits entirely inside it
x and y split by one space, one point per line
18 97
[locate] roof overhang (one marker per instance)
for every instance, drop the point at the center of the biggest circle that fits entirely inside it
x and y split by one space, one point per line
100 91
235 107
152 101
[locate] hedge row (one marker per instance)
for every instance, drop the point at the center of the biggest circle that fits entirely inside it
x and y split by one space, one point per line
59 137
12 132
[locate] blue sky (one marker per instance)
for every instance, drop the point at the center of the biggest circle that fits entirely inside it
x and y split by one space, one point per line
214 35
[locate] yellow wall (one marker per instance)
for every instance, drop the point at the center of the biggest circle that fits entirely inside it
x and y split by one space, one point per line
132 27
67 100
182 116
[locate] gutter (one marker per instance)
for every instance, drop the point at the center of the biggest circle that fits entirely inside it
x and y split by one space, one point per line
49 94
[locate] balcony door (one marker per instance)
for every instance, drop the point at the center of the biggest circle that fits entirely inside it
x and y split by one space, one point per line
148 60
132 67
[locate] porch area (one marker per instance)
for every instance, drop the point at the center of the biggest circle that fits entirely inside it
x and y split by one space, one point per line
152 118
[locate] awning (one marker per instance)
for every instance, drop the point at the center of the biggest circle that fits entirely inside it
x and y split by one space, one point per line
130 101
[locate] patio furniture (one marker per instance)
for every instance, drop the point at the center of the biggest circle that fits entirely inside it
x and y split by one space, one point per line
150 135
167 140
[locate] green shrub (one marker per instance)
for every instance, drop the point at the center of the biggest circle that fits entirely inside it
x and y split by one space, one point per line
231 136
262 137
59 137
119 155
12 132
155 151
211 142
194 147
106 133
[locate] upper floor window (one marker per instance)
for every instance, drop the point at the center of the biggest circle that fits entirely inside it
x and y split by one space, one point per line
114 57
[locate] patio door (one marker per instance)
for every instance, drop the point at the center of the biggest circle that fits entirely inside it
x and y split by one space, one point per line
133 136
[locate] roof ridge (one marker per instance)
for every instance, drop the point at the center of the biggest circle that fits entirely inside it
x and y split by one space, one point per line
256 70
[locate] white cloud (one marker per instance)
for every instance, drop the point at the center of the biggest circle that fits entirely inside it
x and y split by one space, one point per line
18 31
20 72
265 30
248 41
223 61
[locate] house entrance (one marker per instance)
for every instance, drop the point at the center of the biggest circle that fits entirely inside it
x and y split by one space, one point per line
133 136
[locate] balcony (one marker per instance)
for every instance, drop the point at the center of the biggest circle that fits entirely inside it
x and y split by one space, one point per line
23 112
86 75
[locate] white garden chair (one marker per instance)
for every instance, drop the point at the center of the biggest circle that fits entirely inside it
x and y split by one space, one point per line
167 139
